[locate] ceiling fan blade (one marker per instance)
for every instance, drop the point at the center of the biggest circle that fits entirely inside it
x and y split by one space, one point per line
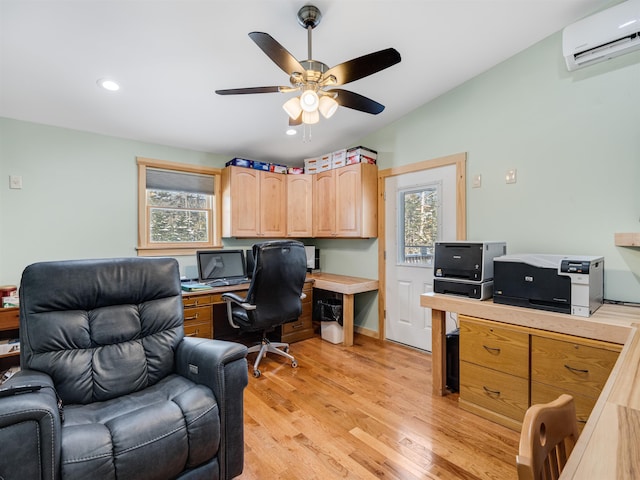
363 66
277 52
243 91
356 101
296 122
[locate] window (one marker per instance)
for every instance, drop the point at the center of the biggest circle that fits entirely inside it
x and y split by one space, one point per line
178 210
420 216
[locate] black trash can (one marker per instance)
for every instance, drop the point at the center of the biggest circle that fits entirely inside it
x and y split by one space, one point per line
330 313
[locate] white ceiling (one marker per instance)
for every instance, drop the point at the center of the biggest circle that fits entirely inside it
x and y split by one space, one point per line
170 55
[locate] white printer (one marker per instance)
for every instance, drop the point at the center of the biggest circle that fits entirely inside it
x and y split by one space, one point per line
558 283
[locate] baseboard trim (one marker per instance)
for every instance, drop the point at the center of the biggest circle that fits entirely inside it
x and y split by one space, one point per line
366 332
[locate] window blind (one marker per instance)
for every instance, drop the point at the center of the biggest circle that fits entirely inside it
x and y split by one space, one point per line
179 181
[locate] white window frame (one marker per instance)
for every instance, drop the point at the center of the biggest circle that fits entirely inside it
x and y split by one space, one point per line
145 246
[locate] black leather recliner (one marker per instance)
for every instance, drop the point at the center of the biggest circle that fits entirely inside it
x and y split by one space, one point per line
138 400
274 295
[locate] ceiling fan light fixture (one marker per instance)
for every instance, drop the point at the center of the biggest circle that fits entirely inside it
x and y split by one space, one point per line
327 106
293 107
309 101
310 118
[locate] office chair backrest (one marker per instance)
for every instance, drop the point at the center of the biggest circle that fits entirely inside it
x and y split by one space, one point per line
276 286
101 328
549 433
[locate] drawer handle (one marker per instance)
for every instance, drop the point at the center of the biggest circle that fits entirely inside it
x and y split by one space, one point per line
297 325
492 350
491 392
575 370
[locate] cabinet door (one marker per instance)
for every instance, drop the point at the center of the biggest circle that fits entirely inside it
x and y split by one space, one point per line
348 201
273 204
241 202
324 204
299 205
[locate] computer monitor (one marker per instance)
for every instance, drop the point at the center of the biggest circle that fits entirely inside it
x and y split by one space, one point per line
220 265
313 257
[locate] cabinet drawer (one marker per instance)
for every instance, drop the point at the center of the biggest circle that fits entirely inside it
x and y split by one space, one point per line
499 392
197 300
198 314
571 366
500 348
541 393
198 329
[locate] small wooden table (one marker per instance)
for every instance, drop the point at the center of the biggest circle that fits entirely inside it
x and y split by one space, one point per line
348 287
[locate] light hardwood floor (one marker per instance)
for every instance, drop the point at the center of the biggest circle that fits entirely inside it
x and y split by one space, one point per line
364 412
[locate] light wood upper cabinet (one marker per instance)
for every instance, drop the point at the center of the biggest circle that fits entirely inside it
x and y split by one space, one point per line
253 203
344 202
299 205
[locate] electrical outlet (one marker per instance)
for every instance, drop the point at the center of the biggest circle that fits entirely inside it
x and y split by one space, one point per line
15 181
477 181
511 176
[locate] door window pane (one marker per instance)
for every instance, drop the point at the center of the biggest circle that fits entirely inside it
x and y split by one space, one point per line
420 217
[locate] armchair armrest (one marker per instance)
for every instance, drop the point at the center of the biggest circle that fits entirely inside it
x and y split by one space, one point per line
30 427
221 366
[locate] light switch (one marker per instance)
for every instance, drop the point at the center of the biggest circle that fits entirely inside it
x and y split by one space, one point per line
15 181
477 181
511 176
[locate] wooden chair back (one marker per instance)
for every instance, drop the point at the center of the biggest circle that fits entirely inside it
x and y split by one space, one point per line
549 433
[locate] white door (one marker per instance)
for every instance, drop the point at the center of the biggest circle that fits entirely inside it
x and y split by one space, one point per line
420 209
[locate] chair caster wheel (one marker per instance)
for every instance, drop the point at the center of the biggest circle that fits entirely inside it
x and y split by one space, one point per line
256 373
294 364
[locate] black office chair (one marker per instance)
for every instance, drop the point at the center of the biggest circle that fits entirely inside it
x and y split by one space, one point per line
274 295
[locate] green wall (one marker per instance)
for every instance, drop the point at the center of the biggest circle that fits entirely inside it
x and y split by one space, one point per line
574 138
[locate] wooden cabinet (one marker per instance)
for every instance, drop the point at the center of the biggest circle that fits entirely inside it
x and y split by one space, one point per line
299 205
9 329
302 328
345 202
566 364
253 203
506 368
494 370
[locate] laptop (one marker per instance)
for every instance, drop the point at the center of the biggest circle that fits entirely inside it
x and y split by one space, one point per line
221 267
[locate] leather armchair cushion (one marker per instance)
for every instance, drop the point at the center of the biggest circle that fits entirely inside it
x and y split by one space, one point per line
154 433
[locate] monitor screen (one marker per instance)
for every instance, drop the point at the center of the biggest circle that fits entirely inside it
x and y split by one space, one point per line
311 256
220 264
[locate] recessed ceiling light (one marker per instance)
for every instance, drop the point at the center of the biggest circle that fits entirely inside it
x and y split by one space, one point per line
108 84
292 131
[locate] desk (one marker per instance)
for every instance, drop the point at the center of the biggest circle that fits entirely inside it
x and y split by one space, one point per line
345 285
609 445
348 287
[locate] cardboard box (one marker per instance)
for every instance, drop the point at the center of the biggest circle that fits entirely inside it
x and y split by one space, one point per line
367 152
274 167
295 170
239 162
261 166
339 159
9 346
359 159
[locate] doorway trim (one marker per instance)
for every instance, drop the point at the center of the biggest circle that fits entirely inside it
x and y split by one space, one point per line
460 162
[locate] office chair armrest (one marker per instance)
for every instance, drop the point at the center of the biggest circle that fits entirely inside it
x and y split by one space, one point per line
30 426
303 296
232 297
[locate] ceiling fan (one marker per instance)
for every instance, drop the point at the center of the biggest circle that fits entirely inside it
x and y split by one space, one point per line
315 80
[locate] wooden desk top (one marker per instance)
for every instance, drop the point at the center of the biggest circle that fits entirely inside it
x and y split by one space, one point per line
609 445
342 283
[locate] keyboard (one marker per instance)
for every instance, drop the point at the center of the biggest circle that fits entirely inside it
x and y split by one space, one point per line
227 282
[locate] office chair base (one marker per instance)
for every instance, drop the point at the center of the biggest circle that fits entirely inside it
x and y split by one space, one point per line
270 347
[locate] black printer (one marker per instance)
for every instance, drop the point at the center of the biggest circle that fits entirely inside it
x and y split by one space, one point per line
556 283
466 268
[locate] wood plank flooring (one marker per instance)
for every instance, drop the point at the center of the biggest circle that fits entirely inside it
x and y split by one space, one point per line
364 412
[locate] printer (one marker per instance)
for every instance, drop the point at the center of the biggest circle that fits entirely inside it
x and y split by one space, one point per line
466 268
571 284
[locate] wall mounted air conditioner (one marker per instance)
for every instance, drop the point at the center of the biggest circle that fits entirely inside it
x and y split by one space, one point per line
602 36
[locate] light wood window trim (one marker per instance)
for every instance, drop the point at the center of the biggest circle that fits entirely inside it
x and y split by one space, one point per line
145 248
